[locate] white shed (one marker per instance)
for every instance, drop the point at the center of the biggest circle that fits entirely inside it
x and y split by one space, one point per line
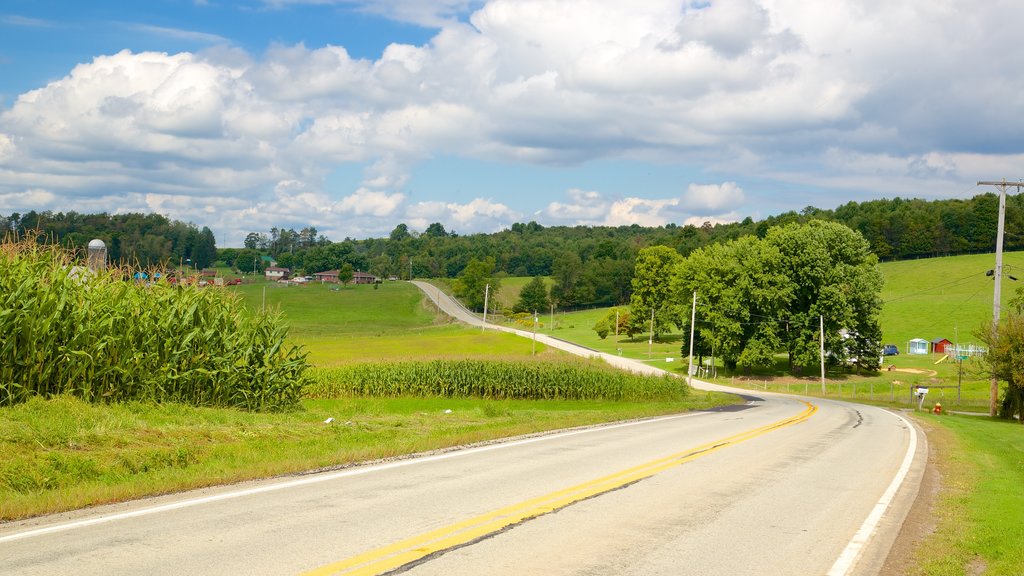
917 346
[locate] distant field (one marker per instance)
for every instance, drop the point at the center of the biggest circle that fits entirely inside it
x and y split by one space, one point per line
340 325
943 297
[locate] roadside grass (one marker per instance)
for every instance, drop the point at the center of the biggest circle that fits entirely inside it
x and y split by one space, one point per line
979 510
63 453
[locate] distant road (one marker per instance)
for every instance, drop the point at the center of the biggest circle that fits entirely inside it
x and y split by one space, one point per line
776 485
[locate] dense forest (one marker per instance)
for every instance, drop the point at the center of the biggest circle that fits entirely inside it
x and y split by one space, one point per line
132 239
591 265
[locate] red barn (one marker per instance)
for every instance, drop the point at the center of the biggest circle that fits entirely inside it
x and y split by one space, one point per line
941 346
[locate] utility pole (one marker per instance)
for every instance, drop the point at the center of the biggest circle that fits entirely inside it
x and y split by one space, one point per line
821 327
1003 185
487 292
535 319
650 339
693 322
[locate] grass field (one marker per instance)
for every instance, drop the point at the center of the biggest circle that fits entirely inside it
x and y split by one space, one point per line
340 325
979 511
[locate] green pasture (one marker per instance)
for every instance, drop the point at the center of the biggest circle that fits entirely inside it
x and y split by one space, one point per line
344 324
978 512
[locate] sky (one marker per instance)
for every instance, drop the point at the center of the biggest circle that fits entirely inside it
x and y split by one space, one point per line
353 116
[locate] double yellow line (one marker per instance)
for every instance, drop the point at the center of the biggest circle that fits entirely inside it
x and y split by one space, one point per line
418 547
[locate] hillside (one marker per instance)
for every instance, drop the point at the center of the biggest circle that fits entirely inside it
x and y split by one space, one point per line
946 297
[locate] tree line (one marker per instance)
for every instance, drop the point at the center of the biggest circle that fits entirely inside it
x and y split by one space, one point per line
145 240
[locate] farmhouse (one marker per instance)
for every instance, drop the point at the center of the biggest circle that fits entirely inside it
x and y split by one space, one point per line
328 276
363 278
942 346
276 273
357 277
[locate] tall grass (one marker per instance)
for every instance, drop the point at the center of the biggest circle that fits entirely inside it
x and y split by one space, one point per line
96 336
501 379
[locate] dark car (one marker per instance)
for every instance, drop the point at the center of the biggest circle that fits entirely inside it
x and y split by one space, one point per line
890 350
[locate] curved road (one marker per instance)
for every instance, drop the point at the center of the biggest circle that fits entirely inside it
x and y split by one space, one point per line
778 485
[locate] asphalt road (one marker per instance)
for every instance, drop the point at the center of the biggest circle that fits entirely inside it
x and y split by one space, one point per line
778 485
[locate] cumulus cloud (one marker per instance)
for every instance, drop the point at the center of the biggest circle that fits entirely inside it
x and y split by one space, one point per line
844 95
476 215
700 202
712 198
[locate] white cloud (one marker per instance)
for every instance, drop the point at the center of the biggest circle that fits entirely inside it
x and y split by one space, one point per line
41 199
712 198
365 202
476 215
851 95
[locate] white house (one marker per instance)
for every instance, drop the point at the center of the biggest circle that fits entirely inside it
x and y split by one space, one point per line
275 273
918 346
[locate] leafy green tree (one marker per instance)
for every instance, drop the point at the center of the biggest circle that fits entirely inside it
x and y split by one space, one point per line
345 274
252 240
652 289
833 275
248 260
533 297
742 294
1005 361
472 281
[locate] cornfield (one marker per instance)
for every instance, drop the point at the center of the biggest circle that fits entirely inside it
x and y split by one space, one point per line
94 335
500 379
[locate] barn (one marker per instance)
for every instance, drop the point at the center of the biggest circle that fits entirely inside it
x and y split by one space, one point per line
942 346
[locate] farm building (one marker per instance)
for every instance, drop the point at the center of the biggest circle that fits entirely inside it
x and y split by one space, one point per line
917 346
941 346
276 273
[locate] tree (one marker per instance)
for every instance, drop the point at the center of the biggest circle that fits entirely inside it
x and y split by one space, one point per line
345 274
833 275
1005 360
533 297
247 260
252 241
435 230
652 289
742 294
400 233
473 280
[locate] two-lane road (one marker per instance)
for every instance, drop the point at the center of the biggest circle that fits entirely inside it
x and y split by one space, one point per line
778 485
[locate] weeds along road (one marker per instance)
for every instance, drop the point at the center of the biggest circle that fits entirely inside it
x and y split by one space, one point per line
777 485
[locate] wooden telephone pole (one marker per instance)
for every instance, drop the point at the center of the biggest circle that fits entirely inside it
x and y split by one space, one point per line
993 404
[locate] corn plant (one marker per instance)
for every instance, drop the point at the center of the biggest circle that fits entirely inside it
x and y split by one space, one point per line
101 337
550 380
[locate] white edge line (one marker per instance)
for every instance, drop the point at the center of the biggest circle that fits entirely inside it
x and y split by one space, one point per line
323 477
850 554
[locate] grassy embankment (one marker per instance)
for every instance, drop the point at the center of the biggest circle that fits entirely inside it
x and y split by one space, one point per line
62 454
979 509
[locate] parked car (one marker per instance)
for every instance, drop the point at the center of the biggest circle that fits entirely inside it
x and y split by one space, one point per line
890 350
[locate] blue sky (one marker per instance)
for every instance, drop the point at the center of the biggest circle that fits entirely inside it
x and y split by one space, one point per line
356 115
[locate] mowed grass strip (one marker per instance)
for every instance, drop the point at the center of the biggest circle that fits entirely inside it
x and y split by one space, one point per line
63 453
980 507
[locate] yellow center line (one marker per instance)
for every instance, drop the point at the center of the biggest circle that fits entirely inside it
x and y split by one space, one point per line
400 553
